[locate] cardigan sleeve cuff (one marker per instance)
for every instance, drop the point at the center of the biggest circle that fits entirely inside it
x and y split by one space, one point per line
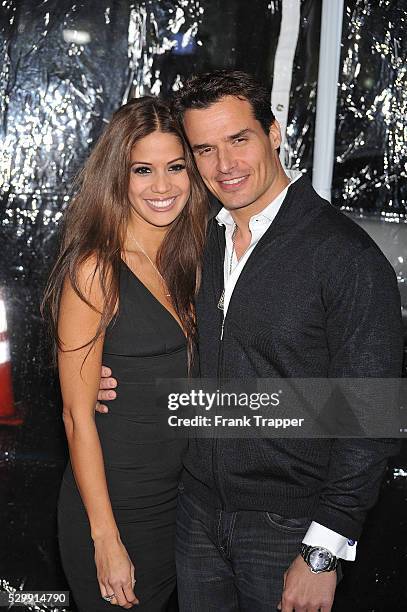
338 545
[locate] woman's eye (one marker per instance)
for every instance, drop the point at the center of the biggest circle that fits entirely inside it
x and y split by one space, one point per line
177 167
141 170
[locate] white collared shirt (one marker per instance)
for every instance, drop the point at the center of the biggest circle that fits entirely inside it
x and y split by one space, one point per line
317 534
258 226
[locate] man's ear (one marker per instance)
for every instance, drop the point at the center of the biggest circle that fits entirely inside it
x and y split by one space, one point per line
275 134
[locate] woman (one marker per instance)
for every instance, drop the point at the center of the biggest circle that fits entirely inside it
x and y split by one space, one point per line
122 291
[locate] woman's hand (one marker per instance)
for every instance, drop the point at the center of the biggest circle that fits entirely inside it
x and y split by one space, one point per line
115 571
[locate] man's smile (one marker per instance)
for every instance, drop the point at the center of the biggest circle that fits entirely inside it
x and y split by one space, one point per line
233 184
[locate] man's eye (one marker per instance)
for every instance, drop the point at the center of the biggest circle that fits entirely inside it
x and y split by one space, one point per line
141 170
240 140
205 151
177 167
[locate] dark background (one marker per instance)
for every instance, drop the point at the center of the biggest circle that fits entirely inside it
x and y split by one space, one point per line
56 96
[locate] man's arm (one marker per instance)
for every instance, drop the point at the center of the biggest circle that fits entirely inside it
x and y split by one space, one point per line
364 334
365 340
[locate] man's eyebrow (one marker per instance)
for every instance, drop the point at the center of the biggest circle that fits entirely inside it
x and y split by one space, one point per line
243 132
205 145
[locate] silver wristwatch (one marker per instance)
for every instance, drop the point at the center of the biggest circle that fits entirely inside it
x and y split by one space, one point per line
318 559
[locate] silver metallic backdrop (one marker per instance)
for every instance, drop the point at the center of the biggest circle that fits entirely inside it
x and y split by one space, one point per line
370 171
65 66
371 143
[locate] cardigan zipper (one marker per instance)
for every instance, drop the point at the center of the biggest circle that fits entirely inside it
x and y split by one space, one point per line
215 444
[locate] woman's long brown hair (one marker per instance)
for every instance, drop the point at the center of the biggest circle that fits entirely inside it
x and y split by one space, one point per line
96 220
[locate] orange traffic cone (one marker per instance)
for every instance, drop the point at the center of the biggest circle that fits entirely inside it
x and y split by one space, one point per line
8 414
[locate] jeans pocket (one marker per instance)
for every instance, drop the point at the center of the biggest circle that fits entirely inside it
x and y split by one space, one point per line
291 525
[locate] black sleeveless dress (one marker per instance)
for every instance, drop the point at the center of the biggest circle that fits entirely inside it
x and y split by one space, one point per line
142 462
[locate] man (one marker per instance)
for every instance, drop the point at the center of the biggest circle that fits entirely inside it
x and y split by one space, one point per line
290 288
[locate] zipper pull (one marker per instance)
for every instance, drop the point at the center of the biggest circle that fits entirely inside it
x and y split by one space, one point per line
221 331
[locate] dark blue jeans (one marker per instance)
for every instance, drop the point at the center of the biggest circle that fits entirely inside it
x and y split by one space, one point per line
232 561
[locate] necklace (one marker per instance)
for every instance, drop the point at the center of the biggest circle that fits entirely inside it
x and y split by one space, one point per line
221 303
150 260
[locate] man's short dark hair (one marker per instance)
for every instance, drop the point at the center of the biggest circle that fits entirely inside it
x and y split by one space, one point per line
202 90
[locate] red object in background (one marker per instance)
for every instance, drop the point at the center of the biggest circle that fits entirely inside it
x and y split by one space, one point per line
8 414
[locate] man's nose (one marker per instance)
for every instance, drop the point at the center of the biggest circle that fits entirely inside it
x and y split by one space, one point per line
226 162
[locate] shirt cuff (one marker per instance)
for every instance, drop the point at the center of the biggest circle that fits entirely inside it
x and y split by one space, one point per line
338 545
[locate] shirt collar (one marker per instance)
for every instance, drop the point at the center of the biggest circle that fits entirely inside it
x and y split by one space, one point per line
268 213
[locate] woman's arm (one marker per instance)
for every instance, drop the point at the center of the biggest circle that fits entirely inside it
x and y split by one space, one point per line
79 377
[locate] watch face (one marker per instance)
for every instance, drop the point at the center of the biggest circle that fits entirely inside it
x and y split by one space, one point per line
320 559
